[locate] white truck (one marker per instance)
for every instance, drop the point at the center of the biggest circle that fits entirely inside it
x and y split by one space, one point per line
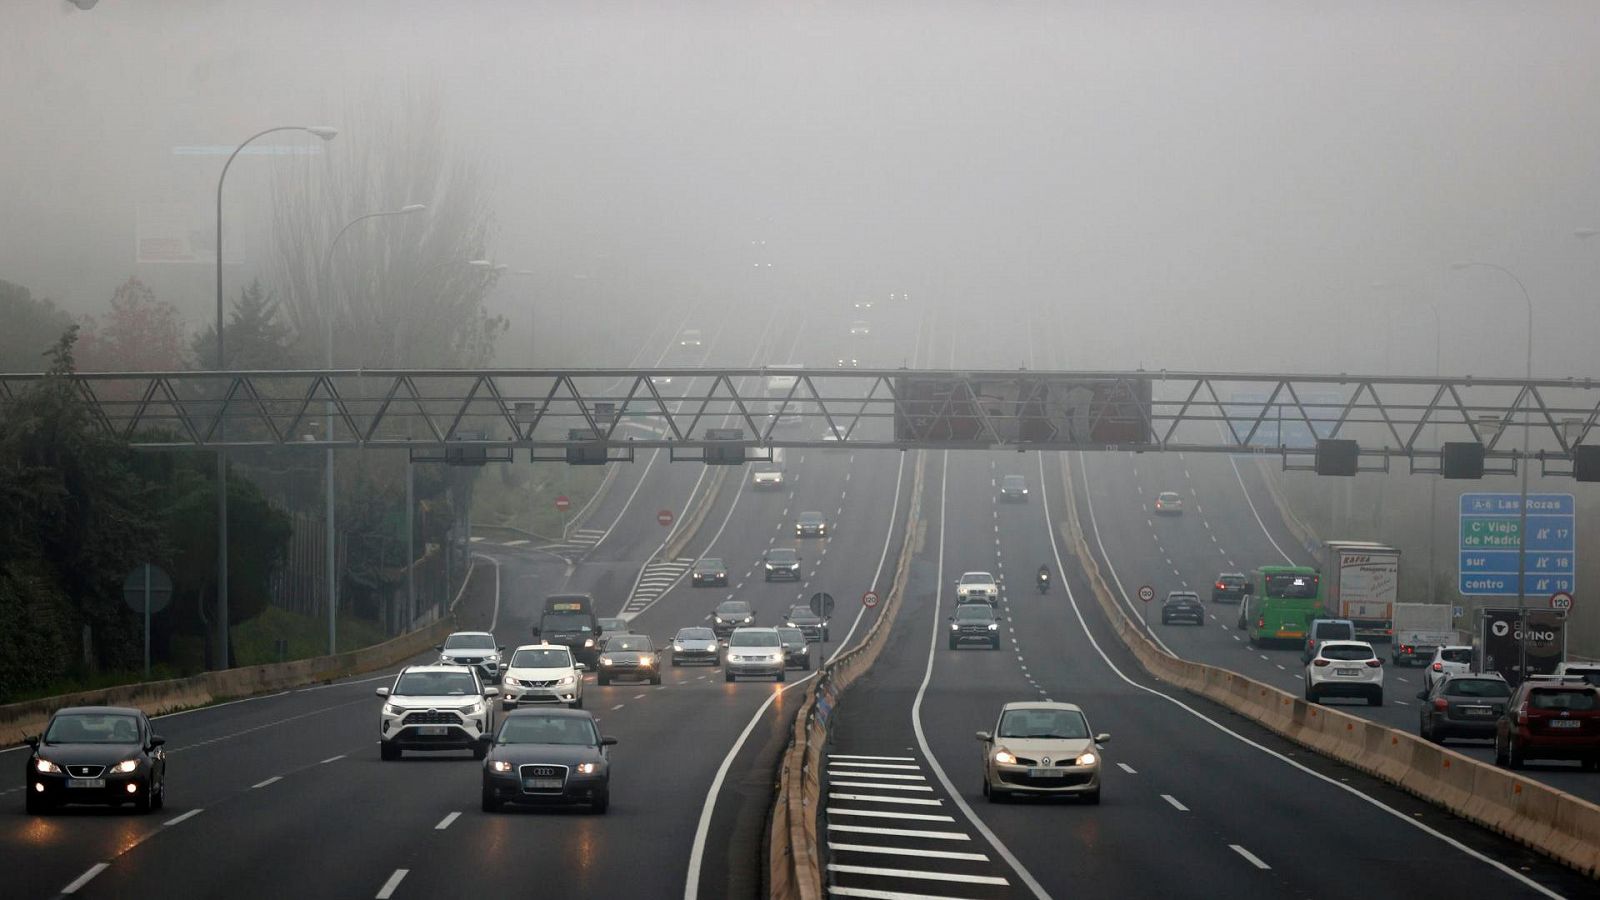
1361 578
1420 628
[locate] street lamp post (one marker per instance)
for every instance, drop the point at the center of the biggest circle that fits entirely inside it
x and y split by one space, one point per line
1522 504
325 272
327 134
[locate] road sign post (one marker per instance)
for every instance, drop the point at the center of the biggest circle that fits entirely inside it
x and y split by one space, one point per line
146 590
1146 594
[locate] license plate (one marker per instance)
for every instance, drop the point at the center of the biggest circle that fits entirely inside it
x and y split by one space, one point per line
1350 673
1046 773
1477 710
1565 723
432 730
542 784
101 782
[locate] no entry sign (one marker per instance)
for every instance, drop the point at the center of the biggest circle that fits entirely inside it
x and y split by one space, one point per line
664 517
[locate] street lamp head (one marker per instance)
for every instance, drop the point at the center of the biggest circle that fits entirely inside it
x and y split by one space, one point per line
323 131
414 207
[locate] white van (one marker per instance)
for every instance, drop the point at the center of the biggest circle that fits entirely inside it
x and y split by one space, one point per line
769 475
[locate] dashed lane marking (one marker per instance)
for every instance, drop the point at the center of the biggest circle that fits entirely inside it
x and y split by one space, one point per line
1175 804
1254 859
388 889
1127 768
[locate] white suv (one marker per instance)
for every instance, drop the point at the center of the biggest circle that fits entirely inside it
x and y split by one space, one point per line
977 587
435 708
754 651
542 673
1345 669
1453 659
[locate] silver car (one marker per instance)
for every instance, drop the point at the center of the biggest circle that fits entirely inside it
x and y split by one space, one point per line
1042 748
754 651
695 644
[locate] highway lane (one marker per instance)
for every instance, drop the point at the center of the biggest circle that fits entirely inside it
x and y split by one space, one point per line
1219 532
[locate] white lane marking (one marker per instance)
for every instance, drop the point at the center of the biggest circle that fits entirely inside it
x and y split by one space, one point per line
618 706
638 696
914 873
183 818
261 784
331 759
1175 804
922 690
387 891
884 758
874 798
879 786
889 814
446 821
1254 859
1095 643
900 832
85 878
848 773
832 760
1127 768
907 851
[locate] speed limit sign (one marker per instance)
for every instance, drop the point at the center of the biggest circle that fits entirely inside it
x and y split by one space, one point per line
869 599
1147 593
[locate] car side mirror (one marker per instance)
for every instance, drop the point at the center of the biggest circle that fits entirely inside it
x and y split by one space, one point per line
31 740
501 650
486 739
608 742
382 692
582 667
157 740
1422 695
1102 738
491 692
950 618
984 736
439 647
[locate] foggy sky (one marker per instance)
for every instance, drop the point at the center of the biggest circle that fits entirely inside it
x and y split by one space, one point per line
1209 185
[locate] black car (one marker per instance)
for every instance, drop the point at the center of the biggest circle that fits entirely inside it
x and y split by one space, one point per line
1230 587
796 649
1014 489
781 563
1464 706
1182 606
548 756
812 625
708 573
629 656
96 754
975 623
731 614
810 524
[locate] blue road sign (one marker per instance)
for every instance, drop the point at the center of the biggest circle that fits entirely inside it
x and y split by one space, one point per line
1490 534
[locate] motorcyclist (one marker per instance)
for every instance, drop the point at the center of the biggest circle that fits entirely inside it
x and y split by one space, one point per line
1043 578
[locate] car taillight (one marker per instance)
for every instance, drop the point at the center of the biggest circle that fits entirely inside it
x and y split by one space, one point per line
1374 663
1407 648
1261 623
1441 704
1438 667
1221 586
1522 714
1319 662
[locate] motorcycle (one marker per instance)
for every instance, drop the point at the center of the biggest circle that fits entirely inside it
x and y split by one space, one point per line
1043 582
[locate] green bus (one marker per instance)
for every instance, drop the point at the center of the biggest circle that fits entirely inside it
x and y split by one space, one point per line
1281 604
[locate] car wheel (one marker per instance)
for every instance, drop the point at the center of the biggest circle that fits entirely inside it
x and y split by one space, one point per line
727 674
1514 758
994 643
674 662
807 666
1092 798
997 796
601 802
578 703
159 799
479 751
491 803
1311 694
1499 753
36 805
780 677
141 803
952 643
387 751
656 680
1375 699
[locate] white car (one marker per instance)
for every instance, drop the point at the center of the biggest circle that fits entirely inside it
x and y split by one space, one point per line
1169 503
689 337
977 587
434 708
754 651
1452 659
860 329
542 673
1345 669
472 648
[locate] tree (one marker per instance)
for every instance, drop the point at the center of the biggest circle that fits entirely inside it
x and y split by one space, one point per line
257 338
32 326
140 334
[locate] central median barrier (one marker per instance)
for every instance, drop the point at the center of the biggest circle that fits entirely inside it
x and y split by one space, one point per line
794 862
1555 823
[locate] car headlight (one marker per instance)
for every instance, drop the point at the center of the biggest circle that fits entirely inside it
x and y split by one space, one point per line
500 765
677 648
1004 758
1086 759
567 679
472 710
954 627
769 567
587 768
993 627
748 620
45 765
512 682
126 766
719 618
788 624
647 660
588 642
389 709
605 660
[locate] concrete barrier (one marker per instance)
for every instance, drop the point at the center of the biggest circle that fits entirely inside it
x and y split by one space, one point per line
1564 827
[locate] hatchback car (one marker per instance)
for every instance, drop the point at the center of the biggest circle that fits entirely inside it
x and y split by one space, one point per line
105 755
628 656
695 644
1042 748
1183 606
975 623
1545 720
754 651
1014 489
731 614
473 648
1169 503
797 650
1465 706
803 617
708 572
973 587
434 708
547 756
542 673
810 524
1345 669
1455 659
1230 587
781 564
1326 630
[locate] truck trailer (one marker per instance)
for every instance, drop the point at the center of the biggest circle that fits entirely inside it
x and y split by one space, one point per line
1361 579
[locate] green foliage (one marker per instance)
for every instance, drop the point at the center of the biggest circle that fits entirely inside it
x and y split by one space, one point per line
31 328
254 641
257 336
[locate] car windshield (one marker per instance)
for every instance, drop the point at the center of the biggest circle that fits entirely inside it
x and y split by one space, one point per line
637 643
552 658
696 634
1576 700
435 684
1346 652
782 556
708 565
469 642
733 608
1041 724
1335 631
1013 481
1232 579
568 730
755 639
566 622
968 612
1182 598
1456 654
1168 496
811 518
1292 587
93 728
977 578
1477 687
613 625
802 612
792 635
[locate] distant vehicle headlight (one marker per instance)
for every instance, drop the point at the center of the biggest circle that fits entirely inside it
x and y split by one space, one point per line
748 620
647 660
588 642
993 627
954 627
